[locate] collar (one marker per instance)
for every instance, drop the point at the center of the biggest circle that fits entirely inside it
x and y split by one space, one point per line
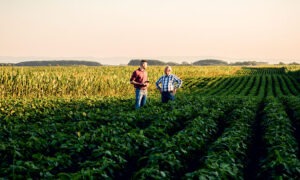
141 69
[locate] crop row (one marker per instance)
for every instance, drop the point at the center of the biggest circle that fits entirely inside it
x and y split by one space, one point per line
219 127
33 82
261 71
256 85
79 81
226 156
48 136
41 138
173 157
194 137
281 159
293 110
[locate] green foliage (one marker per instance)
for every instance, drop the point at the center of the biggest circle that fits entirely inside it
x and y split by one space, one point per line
80 123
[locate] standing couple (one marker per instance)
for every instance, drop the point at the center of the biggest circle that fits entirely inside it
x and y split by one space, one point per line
166 84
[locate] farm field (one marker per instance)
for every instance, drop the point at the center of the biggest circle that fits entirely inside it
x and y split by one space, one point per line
80 123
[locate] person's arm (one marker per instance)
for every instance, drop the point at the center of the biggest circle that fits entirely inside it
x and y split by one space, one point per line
157 84
179 83
132 80
146 83
137 83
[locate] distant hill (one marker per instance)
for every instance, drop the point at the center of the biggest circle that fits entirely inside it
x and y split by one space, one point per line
210 62
58 63
172 64
248 63
136 62
6 64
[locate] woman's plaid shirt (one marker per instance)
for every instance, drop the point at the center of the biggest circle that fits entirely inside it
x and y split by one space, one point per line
168 83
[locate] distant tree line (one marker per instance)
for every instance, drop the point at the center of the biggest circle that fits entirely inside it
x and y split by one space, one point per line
293 63
248 63
6 64
210 62
136 62
205 62
58 63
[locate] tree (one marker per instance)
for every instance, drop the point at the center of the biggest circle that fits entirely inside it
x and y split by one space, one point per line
281 63
184 63
136 62
210 62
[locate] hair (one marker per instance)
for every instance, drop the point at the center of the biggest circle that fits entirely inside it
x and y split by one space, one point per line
143 61
168 67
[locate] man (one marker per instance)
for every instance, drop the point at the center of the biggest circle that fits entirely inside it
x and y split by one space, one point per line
139 79
169 85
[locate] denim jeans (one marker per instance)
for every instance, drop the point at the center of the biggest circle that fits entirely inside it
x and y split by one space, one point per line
140 98
166 96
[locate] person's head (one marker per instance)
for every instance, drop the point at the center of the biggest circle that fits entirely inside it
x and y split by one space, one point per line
168 70
143 64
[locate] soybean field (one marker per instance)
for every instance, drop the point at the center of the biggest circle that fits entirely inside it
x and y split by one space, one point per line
80 123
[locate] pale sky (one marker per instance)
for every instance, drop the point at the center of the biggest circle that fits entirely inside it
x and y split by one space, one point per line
109 30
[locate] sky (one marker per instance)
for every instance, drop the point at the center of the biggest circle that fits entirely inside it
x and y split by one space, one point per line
115 31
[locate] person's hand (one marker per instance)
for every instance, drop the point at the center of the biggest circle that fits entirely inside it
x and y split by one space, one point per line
174 91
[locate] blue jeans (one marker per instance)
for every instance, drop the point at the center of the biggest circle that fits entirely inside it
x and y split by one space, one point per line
140 98
166 96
